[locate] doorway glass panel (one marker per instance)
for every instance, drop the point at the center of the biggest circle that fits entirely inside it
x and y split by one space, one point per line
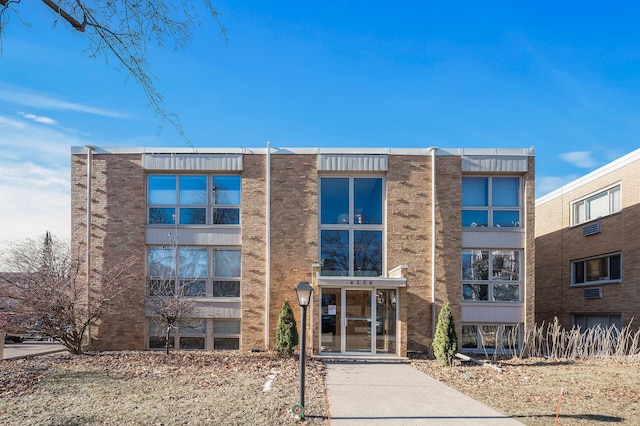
330 331
385 327
358 321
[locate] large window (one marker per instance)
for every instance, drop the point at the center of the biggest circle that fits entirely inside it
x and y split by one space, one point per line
602 204
194 271
491 201
193 199
351 226
196 334
491 338
596 270
491 275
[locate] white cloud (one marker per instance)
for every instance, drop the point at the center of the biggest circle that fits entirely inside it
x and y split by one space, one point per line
9 122
39 118
547 184
25 97
582 159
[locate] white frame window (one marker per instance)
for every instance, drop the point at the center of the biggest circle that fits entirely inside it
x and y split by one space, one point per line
603 203
196 334
491 275
351 219
491 201
201 272
597 270
193 199
491 338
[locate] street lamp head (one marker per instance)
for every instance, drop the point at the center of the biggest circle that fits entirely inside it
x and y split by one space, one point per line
303 293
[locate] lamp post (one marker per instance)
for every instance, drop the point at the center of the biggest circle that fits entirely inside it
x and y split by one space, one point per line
303 293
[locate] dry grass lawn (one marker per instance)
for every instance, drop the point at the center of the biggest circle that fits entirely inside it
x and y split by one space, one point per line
594 392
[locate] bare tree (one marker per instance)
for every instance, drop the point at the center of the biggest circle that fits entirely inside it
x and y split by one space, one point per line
49 290
172 284
121 30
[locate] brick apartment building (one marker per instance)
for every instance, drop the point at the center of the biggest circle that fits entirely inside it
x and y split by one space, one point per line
385 237
587 248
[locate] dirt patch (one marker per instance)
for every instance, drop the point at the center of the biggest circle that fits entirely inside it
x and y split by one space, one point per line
150 388
593 392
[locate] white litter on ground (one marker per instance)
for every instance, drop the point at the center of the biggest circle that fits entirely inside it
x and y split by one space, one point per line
271 377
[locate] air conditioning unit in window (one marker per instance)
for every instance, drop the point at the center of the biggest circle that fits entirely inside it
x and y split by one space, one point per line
594 228
593 293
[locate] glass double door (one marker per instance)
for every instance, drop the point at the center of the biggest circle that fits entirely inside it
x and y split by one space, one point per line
358 321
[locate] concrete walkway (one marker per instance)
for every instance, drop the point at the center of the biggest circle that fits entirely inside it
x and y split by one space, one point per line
27 349
369 393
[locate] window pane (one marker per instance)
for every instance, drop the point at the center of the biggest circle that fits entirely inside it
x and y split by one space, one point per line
162 189
475 265
226 289
226 327
226 216
475 191
227 263
192 326
579 215
506 293
616 204
196 288
165 215
189 216
506 219
160 262
578 272
226 343
334 252
597 269
193 190
193 262
598 205
155 327
505 192
506 265
470 336
367 200
475 218
334 200
226 190
159 342
615 270
475 292
163 287
367 253
191 343
489 336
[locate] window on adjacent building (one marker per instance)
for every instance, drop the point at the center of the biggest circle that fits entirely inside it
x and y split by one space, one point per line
351 226
605 321
601 204
194 271
491 201
491 338
193 199
596 270
491 275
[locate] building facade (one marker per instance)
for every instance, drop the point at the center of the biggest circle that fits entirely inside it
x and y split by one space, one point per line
385 237
587 248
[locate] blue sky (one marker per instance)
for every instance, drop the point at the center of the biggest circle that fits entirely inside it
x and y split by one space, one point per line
561 76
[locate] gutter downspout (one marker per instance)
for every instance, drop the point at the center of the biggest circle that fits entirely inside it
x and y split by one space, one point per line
90 149
268 248
433 150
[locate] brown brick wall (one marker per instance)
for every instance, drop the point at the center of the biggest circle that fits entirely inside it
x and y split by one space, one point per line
294 234
118 223
530 244
558 243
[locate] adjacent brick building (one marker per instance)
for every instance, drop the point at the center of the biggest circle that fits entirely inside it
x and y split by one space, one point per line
587 248
385 237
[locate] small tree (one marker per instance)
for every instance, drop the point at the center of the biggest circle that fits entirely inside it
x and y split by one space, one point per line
48 290
445 343
287 333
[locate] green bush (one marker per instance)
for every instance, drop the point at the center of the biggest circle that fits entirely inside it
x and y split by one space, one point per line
287 333
445 343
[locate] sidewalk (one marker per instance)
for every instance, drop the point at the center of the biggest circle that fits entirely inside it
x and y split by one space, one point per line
369 393
26 349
